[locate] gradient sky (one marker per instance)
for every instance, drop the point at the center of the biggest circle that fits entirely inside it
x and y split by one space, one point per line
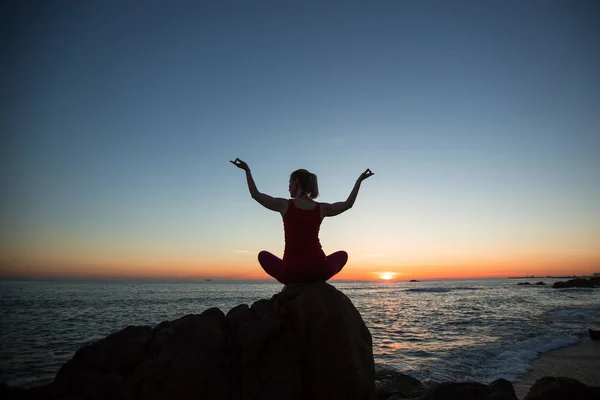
480 119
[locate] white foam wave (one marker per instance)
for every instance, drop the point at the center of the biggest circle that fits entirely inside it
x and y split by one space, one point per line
512 363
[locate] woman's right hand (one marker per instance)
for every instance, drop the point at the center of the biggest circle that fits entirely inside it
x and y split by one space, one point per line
365 175
240 164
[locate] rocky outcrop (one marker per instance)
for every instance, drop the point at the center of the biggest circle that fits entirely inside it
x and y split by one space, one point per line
561 389
544 389
578 283
391 384
594 333
307 342
500 389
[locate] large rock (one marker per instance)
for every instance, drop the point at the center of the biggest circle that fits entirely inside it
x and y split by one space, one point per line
577 283
391 384
561 389
308 341
500 389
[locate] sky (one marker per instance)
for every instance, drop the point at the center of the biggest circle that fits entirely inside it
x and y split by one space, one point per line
480 120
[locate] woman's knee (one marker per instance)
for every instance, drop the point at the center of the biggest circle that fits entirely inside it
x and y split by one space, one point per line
267 257
339 256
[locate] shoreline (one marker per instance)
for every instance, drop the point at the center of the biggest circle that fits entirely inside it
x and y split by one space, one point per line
579 361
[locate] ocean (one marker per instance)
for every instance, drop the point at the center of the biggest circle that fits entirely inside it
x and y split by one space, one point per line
447 330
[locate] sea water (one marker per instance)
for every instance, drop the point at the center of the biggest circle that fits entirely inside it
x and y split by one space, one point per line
450 330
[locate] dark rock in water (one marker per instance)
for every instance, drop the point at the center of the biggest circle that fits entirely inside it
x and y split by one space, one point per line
307 342
578 282
414 280
561 389
391 383
540 283
502 386
499 396
523 283
500 389
594 333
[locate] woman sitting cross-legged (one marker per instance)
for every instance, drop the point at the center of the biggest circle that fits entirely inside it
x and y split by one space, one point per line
303 258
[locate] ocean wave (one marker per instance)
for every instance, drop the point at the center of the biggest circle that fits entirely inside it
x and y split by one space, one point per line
579 315
513 363
429 290
497 360
438 289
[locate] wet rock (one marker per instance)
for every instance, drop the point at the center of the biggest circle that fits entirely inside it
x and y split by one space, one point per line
577 283
561 389
500 389
391 384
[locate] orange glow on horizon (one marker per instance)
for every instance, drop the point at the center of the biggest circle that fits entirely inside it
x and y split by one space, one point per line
248 269
237 265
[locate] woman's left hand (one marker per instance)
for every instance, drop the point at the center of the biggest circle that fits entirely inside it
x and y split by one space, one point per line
365 175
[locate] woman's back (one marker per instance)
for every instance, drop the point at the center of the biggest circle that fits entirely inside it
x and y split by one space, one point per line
301 227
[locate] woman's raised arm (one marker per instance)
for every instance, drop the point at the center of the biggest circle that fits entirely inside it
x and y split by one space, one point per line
330 210
272 203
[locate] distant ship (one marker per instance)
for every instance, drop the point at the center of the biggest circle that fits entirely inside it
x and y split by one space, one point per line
208 280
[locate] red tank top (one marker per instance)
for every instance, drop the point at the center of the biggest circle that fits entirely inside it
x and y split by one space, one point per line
302 245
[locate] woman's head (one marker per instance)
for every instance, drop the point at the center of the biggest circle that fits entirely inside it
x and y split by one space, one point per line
303 183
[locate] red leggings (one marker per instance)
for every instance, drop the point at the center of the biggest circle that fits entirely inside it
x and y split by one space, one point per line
321 271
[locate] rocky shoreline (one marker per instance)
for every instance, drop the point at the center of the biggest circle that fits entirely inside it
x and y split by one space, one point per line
578 283
306 342
571 283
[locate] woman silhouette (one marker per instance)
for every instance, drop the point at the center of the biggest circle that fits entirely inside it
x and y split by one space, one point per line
303 258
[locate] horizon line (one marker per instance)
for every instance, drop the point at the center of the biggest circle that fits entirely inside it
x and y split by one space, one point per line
222 279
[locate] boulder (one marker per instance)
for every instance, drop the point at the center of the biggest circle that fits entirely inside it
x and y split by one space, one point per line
594 333
500 389
523 284
308 341
540 283
561 389
390 383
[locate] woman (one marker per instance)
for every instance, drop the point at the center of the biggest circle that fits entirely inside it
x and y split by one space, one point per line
303 258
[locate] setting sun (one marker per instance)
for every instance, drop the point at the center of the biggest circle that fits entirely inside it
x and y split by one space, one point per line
386 276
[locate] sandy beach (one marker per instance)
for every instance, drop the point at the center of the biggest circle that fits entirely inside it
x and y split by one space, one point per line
580 361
